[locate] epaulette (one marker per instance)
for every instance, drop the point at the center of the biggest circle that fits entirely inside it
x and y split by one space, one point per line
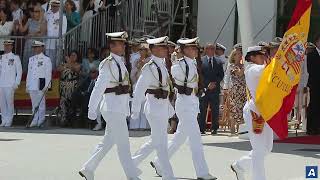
180 59
147 64
103 62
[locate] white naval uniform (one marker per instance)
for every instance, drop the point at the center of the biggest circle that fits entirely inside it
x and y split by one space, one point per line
10 77
39 67
261 143
53 24
157 111
114 109
187 109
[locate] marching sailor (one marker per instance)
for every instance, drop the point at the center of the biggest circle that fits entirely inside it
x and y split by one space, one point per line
38 81
260 133
10 77
112 85
186 79
154 85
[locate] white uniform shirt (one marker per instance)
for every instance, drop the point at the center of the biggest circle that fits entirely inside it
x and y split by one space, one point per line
53 23
5 30
10 70
149 79
178 72
304 75
39 66
109 78
253 73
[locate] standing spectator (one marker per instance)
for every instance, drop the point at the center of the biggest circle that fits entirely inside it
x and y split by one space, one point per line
73 17
212 75
313 114
91 62
53 24
6 25
36 27
220 55
237 90
87 25
68 83
104 53
17 13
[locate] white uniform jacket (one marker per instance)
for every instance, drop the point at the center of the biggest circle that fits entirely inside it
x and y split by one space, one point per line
39 66
186 103
10 70
109 78
252 74
149 79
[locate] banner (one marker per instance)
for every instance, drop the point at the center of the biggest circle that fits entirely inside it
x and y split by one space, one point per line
22 98
277 87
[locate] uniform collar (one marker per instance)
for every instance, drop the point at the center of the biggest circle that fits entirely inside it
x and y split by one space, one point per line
157 59
8 54
222 56
188 59
117 57
40 55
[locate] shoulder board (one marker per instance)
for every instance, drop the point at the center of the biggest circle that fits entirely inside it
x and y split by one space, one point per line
181 59
147 64
109 58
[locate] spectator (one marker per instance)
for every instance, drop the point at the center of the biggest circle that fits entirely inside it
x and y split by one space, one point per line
53 24
81 96
104 53
17 13
46 6
91 62
3 4
213 74
68 83
87 26
73 17
237 90
220 55
36 26
313 66
6 25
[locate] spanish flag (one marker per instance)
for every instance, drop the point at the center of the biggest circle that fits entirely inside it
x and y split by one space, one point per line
278 84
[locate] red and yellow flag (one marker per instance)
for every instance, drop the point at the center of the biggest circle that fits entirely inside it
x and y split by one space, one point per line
278 84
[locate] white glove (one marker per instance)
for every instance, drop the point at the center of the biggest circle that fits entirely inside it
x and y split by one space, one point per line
92 115
135 115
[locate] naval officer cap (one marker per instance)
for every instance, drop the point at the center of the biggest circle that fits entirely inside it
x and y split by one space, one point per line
55 2
118 36
275 42
238 46
189 42
161 41
220 46
254 50
8 42
37 44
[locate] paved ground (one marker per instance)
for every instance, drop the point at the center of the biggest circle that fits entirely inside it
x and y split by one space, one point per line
57 154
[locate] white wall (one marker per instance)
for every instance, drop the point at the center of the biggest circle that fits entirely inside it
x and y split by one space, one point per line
213 13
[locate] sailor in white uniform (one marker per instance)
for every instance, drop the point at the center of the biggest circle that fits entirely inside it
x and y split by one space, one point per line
154 85
262 142
38 81
10 77
113 87
186 77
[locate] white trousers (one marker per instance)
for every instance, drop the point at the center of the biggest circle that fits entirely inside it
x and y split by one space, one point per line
159 143
141 122
188 128
39 117
299 109
6 105
116 133
261 146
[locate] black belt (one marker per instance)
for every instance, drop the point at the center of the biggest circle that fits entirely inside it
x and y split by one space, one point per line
158 93
184 90
118 90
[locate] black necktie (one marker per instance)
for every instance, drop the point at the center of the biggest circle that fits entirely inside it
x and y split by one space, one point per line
210 63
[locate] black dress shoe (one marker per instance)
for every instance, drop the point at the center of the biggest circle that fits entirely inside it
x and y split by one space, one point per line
203 132
214 132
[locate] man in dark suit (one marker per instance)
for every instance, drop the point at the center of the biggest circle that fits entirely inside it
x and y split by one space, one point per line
313 113
212 71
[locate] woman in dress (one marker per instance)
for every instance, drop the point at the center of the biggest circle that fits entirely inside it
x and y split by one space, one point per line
73 17
237 90
69 80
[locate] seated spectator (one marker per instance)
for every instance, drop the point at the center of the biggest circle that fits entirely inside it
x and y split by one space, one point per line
89 63
6 25
104 53
68 83
17 13
36 26
80 97
73 17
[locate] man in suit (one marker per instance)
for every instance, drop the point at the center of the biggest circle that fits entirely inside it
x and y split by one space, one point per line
313 113
212 71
